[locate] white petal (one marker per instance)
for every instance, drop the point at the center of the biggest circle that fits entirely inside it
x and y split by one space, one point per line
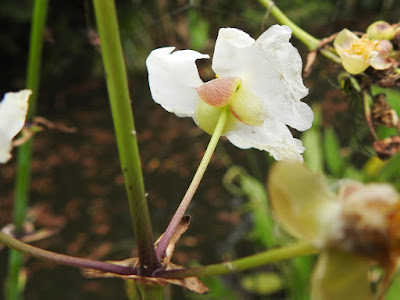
13 109
5 148
173 79
272 136
271 69
231 45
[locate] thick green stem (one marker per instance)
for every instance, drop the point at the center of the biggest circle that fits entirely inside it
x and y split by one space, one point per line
120 101
63 259
25 151
163 243
311 42
257 260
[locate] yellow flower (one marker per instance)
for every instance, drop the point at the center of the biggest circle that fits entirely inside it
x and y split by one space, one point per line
357 54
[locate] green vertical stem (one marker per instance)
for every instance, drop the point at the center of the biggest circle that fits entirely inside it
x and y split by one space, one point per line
120 101
25 151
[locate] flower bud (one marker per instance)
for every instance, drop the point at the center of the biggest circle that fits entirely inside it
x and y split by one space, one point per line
396 37
380 30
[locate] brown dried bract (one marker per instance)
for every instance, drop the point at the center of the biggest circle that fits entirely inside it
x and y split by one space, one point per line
191 283
388 147
386 78
382 113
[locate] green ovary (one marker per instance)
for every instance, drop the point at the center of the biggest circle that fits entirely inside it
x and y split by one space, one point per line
207 117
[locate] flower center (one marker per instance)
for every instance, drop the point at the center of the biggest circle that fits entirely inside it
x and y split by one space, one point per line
362 47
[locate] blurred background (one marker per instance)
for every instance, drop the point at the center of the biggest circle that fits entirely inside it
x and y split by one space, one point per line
77 185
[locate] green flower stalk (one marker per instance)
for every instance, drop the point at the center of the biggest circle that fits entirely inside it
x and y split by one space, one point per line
169 232
246 263
307 39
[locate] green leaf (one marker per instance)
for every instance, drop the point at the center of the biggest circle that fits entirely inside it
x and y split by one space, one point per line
394 290
199 29
313 156
218 290
334 161
263 283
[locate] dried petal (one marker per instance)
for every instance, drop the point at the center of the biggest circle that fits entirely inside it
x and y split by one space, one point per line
363 225
388 147
191 283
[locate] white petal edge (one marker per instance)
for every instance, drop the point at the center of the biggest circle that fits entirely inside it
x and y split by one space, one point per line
229 48
173 78
272 136
13 110
276 78
271 69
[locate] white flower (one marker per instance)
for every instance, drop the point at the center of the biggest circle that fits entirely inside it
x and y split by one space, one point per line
13 109
260 81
